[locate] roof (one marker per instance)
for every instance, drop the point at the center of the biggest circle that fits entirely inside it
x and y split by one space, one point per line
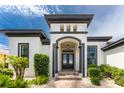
115 44
68 18
24 33
99 38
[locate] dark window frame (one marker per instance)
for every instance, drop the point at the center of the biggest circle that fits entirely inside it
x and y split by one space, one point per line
74 28
96 47
68 28
61 28
19 44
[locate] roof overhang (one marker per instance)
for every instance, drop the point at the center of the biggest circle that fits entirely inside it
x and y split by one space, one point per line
99 39
26 33
114 45
69 18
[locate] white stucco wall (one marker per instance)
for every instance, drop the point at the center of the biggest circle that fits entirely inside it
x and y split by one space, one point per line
35 46
55 27
100 53
115 57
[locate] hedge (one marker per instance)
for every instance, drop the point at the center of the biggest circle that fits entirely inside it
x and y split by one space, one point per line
41 64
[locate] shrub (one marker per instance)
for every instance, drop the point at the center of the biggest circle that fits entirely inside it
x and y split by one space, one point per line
19 83
95 80
105 70
41 64
116 72
6 71
119 80
40 80
94 72
92 65
1 64
19 64
5 81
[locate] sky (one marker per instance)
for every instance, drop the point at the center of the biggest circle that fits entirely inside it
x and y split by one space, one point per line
107 21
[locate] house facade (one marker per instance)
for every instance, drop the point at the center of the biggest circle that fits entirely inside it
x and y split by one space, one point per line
69 46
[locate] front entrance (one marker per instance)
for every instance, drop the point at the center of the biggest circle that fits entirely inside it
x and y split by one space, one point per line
67 61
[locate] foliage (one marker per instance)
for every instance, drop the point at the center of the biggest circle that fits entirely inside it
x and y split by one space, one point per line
40 80
105 70
95 75
119 80
41 64
6 71
5 81
94 72
92 65
1 64
19 64
95 80
116 72
19 83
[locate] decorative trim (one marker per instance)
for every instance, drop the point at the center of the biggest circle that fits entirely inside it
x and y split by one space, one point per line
99 39
113 45
46 42
25 33
69 18
83 32
68 37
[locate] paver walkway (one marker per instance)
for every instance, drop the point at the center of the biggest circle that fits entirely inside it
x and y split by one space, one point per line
74 80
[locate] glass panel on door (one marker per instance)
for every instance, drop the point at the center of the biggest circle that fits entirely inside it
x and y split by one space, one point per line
64 59
70 59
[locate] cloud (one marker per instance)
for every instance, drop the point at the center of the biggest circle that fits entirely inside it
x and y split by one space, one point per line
26 10
4 49
112 25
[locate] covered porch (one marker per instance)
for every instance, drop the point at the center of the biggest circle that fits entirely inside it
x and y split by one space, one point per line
68 53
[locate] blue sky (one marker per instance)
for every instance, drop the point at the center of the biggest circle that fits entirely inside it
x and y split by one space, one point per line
108 20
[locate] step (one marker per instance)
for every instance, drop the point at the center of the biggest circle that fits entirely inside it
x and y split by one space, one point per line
63 73
69 77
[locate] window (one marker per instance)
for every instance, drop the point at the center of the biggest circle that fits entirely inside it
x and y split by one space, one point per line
23 50
92 55
62 28
75 28
68 28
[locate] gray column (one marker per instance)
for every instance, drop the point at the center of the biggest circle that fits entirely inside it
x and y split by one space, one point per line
56 58
82 59
55 61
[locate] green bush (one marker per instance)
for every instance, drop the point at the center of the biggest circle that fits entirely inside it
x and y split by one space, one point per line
116 72
105 70
40 80
94 72
19 64
6 71
5 81
19 83
41 64
95 80
92 65
1 64
119 80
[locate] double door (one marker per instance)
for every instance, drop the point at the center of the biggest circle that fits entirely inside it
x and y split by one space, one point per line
67 61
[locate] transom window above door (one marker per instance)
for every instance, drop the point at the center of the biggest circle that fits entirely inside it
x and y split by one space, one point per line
68 28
